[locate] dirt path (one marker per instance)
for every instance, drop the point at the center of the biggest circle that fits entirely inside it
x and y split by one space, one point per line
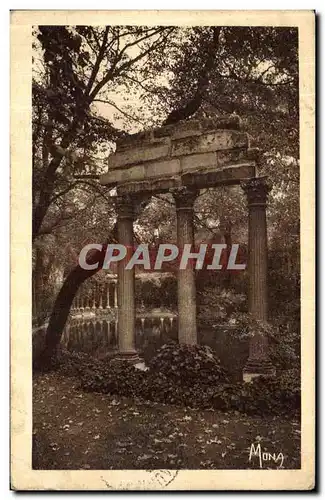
78 430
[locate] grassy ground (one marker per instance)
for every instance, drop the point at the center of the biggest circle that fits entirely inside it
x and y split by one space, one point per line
77 430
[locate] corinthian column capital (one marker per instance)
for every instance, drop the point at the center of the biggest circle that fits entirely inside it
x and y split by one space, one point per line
130 206
184 197
256 190
125 207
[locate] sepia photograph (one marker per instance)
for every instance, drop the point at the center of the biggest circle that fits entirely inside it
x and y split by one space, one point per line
165 266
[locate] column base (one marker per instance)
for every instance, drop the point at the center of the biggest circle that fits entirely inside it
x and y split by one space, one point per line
130 357
257 368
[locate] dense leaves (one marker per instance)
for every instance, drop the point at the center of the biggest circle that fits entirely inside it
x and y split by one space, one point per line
116 377
188 364
189 376
267 395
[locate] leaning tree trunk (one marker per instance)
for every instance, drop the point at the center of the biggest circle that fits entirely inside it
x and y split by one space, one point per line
63 304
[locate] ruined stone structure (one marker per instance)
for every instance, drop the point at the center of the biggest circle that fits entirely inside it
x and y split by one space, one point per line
182 159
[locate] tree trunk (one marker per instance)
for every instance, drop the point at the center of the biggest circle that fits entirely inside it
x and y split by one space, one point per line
62 306
61 312
38 279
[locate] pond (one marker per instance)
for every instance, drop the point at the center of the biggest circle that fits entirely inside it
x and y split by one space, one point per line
97 334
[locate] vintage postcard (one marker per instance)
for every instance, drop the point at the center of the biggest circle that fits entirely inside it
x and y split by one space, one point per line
162 250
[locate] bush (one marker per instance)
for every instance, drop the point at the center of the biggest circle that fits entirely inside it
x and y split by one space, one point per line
283 355
188 364
218 306
156 291
189 376
282 344
114 377
270 395
74 363
290 379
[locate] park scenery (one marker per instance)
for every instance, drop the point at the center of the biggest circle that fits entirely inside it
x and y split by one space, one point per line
166 247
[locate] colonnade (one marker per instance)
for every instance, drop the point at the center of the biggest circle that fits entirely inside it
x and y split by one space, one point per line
98 296
256 190
123 296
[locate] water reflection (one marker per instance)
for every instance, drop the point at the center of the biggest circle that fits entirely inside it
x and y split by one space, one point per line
98 336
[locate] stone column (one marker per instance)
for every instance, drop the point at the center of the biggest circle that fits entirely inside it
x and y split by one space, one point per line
100 304
108 332
187 333
126 282
115 294
256 190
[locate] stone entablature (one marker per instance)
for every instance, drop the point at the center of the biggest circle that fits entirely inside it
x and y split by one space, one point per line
201 153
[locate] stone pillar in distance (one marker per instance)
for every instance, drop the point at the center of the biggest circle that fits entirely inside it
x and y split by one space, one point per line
115 294
256 190
126 282
100 303
187 332
107 297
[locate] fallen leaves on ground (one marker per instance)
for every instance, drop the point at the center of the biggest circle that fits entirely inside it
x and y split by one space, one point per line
75 430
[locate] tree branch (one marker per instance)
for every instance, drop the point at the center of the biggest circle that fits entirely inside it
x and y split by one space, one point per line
146 89
127 65
120 110
136 42
63 192
96 67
